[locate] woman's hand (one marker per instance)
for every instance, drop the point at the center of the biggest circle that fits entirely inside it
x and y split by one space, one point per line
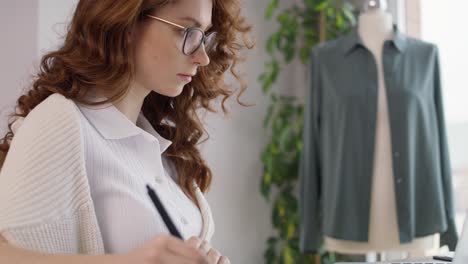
213 254
165 249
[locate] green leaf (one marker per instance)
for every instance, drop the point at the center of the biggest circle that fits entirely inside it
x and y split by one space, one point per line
304 54
339 20
270 253
321 6
299 146
272 43
267 119
266 184
284 136
283 17
289 53
291 231
270 8
262 77
288 257
272 241
274 97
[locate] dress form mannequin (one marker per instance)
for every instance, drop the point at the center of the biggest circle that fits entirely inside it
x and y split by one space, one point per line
375 26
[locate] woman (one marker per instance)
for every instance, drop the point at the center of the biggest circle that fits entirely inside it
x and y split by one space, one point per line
106 111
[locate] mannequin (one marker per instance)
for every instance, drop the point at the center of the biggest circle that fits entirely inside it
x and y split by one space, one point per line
375 26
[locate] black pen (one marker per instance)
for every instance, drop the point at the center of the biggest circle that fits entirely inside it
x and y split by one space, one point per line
165 216
443 258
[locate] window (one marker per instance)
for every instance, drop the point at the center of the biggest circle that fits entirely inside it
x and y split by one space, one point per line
444 24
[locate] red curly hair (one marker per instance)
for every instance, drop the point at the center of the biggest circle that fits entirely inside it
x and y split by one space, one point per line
97 54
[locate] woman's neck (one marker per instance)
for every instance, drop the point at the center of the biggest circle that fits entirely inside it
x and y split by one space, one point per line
130 105
375 26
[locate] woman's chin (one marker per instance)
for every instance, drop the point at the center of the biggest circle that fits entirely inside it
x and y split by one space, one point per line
172 92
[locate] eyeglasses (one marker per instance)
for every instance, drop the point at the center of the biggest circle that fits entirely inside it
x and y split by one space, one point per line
193 37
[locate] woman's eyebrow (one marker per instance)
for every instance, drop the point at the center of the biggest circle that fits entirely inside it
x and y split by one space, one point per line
196 22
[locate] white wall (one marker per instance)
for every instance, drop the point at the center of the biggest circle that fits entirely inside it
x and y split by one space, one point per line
53 18
18 20
444 25
242 216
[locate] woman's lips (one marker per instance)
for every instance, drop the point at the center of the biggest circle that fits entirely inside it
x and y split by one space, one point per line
185 78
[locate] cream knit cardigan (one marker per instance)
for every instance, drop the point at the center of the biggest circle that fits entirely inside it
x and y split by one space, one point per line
45 200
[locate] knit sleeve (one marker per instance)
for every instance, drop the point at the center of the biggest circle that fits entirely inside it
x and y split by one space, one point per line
43 184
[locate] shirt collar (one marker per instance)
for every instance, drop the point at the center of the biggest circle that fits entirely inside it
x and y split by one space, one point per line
353 40
113 124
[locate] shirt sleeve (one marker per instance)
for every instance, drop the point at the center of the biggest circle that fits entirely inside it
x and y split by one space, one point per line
43 183
450 236
309 167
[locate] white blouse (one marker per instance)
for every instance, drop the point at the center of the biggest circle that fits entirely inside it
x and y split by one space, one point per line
121 158
74 182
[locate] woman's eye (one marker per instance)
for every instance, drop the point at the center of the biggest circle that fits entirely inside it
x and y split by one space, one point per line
180 31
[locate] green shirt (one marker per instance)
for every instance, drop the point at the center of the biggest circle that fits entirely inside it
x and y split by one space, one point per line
338 142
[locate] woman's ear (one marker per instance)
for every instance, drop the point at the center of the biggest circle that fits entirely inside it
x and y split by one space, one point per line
131 34
133 30
136 31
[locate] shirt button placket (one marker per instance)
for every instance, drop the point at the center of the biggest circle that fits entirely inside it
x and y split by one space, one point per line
396 154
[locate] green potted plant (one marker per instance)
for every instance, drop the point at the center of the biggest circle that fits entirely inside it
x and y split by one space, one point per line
301 26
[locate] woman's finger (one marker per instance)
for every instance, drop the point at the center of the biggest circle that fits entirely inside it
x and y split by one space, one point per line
174 258
205 247
180 248
214 256
224 260
194 242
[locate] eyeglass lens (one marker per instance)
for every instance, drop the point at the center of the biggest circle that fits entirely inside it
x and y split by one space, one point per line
194 39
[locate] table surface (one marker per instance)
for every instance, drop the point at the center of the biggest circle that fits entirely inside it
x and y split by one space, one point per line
410 260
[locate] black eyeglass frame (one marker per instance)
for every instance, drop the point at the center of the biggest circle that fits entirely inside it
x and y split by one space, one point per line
187 30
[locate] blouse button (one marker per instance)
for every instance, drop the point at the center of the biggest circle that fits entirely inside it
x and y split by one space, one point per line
159 180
